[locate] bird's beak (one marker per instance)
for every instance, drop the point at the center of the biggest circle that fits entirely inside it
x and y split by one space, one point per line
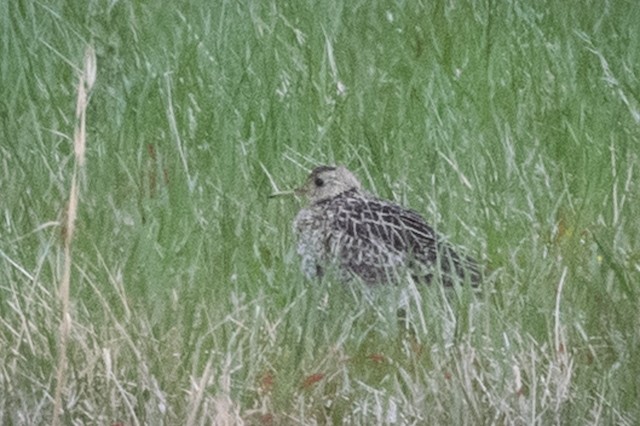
298 192
302 191
283 193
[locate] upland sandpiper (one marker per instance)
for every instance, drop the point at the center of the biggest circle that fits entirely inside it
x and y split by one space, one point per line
357 235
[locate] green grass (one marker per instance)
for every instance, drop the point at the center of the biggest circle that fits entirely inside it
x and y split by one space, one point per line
512 126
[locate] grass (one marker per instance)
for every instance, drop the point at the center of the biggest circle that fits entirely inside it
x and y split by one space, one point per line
513 127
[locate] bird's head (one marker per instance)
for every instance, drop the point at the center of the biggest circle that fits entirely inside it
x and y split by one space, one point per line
326 182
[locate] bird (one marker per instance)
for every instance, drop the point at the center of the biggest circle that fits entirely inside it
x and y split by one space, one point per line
357 235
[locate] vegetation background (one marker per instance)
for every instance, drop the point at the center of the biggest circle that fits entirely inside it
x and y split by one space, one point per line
513 126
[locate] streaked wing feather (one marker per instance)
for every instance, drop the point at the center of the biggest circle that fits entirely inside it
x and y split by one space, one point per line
388 224
388 228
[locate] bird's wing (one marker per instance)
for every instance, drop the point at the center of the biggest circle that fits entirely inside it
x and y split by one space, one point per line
394 227
402 231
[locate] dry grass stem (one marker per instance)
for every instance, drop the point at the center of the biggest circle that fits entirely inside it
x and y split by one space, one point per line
87 78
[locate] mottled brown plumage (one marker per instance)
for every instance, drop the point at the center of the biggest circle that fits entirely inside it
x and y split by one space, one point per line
358 235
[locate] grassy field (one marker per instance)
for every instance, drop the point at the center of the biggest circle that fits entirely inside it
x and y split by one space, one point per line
513 126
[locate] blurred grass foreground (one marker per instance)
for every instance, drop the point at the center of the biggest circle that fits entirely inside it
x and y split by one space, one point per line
148 280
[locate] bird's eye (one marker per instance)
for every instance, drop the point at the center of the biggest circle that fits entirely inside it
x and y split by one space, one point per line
318 181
